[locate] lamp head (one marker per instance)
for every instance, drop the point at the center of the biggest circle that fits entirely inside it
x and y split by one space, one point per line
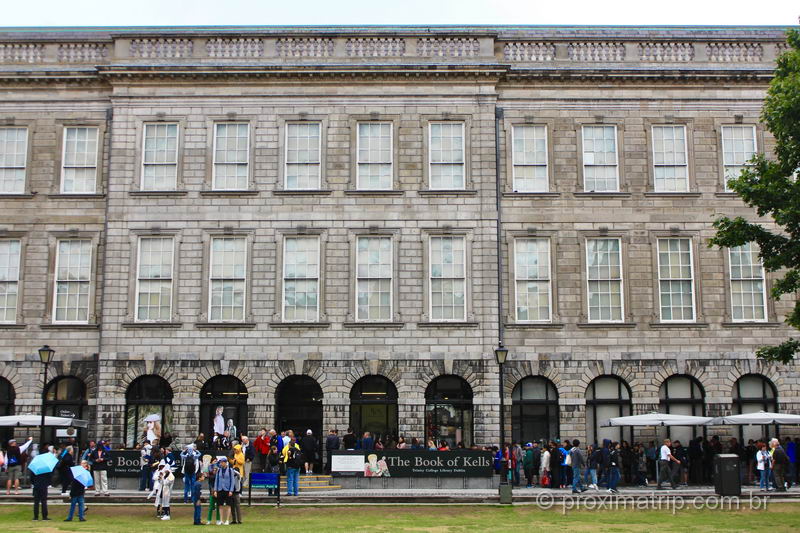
46 354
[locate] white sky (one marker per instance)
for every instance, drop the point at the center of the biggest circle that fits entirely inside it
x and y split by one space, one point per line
361 12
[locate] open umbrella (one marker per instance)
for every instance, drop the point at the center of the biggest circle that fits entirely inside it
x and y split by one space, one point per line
82 476
43 463
36 420
153 418
658 419
762 418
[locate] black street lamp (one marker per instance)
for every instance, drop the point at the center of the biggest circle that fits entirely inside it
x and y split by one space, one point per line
500 354
46 356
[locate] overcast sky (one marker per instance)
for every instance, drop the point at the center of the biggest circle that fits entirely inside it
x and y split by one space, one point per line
358 12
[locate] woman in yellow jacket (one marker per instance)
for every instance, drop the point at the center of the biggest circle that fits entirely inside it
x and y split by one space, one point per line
238 459
292 457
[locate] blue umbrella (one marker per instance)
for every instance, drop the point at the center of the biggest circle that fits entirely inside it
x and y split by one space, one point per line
82 476
43 463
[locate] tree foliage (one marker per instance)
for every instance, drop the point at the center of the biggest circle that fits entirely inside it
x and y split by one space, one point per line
772 187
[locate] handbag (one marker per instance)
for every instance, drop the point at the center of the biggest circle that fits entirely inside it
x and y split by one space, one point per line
568 462
546 479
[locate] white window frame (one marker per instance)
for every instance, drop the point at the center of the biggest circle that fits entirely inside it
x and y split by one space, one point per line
318 278
212 278
431 278
64 165
87 281
368 278
616 155
144 165
515 164
286 162
691 279
24 166
139 278
621 283
390 162
653 128
15 281
724 146
763 279
214 163
549 280
463 155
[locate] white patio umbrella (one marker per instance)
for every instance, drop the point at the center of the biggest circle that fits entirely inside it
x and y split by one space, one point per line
761 418
654 419
36 421
658 419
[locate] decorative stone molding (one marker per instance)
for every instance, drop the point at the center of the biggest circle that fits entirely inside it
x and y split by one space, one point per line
666 52
162 48
375 47
21 53
448 47
82 52
597 52
526 51
304 47
235 48
735 52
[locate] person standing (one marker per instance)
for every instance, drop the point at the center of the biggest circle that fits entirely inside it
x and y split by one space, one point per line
682 455
696 461
261 446
614 462
39 484
331 444
780 463
349 440
309 447
516 450
527 465
665 465
594 458
167 481
249 455
272 462
791 451
577 462
190 465
544 473
197 493
14 463
212 501
555 465
146 474
223 490
99 458
236 501
763 465
293 460
65 462
77 493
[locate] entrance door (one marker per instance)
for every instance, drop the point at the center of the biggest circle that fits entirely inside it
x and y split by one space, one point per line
299 408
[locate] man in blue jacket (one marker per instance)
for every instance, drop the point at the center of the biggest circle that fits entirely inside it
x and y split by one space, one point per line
190 465
223 490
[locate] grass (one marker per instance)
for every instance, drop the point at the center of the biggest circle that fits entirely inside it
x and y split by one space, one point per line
784 517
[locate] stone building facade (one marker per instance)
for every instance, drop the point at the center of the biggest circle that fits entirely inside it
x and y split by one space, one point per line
593 190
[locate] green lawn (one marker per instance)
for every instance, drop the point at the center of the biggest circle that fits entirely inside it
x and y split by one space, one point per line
440 519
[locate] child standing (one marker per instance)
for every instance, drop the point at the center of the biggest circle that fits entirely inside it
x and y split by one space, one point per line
197 489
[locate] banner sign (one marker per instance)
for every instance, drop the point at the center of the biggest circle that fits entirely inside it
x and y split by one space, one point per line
127 463
413 463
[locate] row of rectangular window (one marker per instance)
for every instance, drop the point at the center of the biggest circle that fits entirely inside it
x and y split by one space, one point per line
374 283
374 159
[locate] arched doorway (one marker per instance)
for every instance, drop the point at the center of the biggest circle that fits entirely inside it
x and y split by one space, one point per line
65 396
226 397
298 406
448 411
682 395
607 397
148 398
373 407
7 397
534 410
753 393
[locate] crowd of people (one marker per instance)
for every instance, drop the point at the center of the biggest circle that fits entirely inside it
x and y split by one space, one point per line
224 465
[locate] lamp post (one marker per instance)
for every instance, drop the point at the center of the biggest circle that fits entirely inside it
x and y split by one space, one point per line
45 356
500 354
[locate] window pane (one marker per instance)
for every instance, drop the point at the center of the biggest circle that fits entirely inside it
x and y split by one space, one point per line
604 275
669 159
738 147
532 271
448 278
303 168
748 298
160 157
600 158
9 279
13 159
80 160
446 155
231 156
301 279
530 158
676 279
374 278
228 279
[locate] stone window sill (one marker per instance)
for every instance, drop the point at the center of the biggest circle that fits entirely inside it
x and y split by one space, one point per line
606 325
300 325
13 326
601 194
447 324
225 325
678 325
449 192
69 326
82 196
516 194
722 194
224 194
151 325
654 194
751 324
315 192
24 196
534 325
374 325
158 194
374 193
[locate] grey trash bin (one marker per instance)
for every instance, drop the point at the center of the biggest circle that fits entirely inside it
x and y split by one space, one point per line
726 475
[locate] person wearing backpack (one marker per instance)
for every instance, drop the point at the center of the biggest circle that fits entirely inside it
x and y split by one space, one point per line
293 459
14 463
190 465
577 462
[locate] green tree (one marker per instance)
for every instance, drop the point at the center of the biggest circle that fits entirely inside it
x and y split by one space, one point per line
772 187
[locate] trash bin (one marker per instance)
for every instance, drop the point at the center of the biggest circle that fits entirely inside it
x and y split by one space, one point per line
505 494
727 480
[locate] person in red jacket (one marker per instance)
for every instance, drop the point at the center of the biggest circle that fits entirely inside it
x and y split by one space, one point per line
261 447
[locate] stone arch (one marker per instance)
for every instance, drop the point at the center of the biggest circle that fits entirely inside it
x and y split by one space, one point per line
591 371
627 372
742 367
134 372
211 371
10 373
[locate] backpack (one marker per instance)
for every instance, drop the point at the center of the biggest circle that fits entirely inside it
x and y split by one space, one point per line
294 458
568 461
189 466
